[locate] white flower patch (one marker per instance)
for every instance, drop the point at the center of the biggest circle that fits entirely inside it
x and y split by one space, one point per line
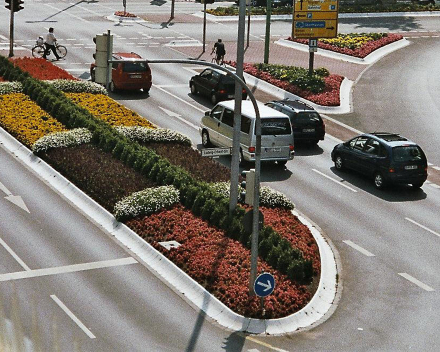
223 189
145 134
10 87
271 198
146 202
71 86
70 138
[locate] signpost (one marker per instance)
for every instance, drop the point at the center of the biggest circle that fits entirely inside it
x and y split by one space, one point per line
216 151
313 19
263 286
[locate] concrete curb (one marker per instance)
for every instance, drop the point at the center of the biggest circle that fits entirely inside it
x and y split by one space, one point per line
321 304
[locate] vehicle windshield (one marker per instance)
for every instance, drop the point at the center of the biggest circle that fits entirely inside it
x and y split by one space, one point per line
135 67
407 153
275 126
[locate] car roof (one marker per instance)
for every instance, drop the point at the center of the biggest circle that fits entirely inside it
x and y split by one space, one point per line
294 104
130 56
391 139
247 108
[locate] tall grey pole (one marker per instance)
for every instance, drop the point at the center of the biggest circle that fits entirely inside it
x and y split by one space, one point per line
109 57
267 35
204 25
235 162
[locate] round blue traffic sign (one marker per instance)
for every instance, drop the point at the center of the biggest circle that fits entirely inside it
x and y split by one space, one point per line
264 284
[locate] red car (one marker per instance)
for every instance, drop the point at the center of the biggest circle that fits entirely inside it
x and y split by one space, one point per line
131 73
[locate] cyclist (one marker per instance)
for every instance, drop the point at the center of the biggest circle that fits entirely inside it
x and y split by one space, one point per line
49 44
220 51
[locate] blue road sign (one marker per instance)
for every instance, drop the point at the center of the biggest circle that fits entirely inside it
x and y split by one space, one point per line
264 284
311 24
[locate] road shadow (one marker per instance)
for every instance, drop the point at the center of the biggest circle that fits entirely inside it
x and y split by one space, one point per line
235 342
307 149
391 193
129 95
391 23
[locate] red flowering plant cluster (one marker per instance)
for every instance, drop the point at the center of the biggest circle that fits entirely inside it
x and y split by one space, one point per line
42 69
329 96
221 264
124 14
362 51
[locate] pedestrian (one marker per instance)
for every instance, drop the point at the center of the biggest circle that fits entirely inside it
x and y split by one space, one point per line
50 44
220 51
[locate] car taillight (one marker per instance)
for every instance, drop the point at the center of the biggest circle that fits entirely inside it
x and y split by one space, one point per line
291 147
391 170
243 91
251 149
222 91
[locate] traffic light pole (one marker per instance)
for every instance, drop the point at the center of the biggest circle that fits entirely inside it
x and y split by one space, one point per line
11 31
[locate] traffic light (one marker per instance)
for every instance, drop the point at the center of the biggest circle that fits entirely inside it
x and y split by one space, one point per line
249 184
16 5
103 53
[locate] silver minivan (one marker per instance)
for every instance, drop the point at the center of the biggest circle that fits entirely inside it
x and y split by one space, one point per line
216 128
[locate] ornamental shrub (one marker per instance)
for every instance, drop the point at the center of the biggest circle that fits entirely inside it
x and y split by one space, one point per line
295 271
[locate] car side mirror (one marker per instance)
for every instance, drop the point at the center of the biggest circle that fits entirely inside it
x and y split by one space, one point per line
207 113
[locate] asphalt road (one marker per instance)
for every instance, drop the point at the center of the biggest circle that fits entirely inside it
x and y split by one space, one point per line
386 240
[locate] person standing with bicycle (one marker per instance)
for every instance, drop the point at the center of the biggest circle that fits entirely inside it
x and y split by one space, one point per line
49 44
220 51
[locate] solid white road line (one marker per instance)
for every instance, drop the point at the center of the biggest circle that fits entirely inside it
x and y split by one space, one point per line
72 316
66 269
423 227
417 282
334 180
270 347
359 248
14 255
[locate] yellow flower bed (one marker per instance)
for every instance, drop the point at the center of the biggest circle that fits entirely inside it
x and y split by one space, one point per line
25 120
351 41
105 108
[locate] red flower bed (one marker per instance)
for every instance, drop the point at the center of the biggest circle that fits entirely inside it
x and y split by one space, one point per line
41 69
221 264
361 52
329 97
124 14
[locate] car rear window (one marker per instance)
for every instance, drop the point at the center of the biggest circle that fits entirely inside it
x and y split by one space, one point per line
135 67
307 117
407 153
275 126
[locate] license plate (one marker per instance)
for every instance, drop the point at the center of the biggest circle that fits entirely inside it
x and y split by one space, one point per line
410 167
273 150
136 76
308 130
230 96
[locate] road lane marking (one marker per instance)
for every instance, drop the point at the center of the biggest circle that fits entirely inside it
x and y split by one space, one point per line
334 180
73 316
423 227
417 282
67 269
359 248
14 255
264 344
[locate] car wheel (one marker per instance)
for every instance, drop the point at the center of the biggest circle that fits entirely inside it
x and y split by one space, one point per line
282 163
339 163
193 88
214 99
205 139
417 185
379 181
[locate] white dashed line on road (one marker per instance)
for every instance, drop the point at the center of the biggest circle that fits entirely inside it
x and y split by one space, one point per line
423 227
416 282
359 248
334 180
73 316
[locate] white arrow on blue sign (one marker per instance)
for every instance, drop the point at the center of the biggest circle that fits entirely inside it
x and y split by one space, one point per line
264 284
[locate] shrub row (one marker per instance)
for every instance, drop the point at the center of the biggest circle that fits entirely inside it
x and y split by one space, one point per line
195 195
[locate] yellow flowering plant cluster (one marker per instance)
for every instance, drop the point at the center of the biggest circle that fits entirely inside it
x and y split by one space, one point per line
25 120
107 109
352 40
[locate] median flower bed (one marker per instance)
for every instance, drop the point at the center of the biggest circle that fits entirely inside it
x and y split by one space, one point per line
327 96
355 44
114 169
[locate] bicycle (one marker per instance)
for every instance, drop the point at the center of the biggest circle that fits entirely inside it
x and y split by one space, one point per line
220 62
38 50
